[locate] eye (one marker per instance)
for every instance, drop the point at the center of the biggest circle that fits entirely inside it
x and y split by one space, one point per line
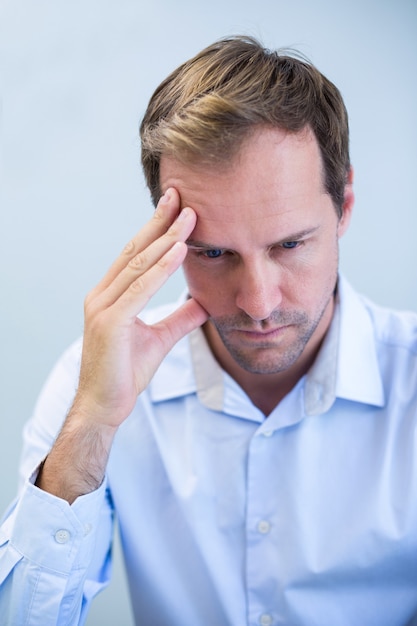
204 253
290 245
213 254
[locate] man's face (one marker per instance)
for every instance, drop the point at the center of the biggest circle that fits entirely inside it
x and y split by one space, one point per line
263 257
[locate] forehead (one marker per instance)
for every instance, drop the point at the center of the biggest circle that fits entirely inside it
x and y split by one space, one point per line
275 175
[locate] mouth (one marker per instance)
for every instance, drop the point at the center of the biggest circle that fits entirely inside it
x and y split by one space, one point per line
269 333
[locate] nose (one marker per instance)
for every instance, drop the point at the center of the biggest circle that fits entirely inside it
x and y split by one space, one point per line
258 291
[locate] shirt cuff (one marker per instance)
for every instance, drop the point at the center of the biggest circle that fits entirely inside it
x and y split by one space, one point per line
52 534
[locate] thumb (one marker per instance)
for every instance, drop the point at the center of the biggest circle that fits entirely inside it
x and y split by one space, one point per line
182 321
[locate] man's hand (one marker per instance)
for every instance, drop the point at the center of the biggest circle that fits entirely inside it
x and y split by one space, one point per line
120 352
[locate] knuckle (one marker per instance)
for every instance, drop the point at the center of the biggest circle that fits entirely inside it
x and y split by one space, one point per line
159 221
138 285
139 262
173 230
92 306
163 263
88 302
159 215
129 248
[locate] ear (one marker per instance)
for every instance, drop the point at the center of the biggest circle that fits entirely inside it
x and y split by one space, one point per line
348 203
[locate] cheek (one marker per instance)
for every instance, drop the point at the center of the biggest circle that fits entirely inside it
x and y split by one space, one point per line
321 281
310 284
198 281
207 287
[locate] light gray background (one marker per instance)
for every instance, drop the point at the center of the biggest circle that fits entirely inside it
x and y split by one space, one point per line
76 79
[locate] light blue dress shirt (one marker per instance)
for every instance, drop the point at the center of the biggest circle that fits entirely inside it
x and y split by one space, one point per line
306 518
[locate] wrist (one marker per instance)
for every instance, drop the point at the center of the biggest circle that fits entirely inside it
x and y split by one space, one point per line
77 462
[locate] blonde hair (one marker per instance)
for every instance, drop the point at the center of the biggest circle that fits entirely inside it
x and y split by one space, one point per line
205 109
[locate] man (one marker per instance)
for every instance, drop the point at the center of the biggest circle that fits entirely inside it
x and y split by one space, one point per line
256 440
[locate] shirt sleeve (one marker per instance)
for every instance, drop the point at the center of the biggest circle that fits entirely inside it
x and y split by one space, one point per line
54 558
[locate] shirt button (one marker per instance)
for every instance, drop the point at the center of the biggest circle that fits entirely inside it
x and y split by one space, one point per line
264 527
266 619
268 433
87 529
62 536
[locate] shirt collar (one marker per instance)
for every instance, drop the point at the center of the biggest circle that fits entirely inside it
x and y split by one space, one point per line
209 376
347 364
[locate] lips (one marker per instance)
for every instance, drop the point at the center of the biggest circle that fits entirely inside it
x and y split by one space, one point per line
262 334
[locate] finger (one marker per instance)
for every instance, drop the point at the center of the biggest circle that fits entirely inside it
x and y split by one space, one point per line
141 290
164 215
147 259
189 316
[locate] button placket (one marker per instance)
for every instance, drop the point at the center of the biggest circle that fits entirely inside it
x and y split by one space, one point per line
260 524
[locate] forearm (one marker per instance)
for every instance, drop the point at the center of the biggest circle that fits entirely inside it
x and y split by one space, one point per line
77 462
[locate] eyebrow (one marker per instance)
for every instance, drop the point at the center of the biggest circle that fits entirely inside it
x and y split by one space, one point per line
202 245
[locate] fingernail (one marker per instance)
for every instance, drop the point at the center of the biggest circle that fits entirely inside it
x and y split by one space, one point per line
184 213
166 197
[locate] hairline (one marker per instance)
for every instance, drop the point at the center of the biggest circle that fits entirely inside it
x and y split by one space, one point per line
226 163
